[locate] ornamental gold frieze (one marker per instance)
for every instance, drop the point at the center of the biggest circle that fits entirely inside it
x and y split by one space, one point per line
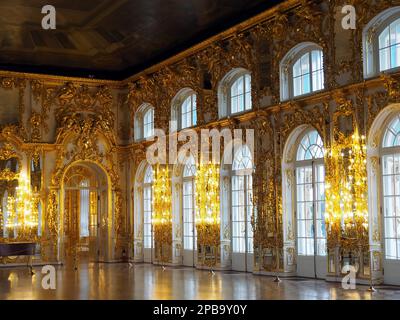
72 99
86 149
310 18
314 117
16 83
36 122
375 103
52 214
366 11
69 99
118 215
80 124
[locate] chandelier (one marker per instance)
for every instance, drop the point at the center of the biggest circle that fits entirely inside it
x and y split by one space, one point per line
208 205
346 193
22 218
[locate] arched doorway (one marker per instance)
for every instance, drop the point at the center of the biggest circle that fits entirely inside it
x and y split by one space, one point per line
242 210
303 195
188 212
383 163
85 207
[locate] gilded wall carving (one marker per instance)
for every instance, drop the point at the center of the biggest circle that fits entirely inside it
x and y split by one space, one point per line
77 120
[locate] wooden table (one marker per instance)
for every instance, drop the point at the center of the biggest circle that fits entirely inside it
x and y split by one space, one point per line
19 249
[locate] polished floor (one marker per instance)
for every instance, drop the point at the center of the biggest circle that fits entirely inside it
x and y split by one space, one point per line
143 281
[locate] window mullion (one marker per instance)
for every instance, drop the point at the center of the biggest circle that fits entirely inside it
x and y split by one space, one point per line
311 71
244 93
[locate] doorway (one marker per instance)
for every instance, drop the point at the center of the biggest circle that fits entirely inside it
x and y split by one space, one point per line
85 203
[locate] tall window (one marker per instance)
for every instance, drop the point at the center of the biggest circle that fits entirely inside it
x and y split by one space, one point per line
184 110
391 189
84 208
310 181
144 122
188 196
389 46
148 123
242 202
302 71
308 73
189 112
234 92
147 208
240 94
381 42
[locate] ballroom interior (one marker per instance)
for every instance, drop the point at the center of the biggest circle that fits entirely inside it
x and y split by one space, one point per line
311 196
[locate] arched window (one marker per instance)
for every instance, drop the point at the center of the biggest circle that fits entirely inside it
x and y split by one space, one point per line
148 123
240 94
144 122
391 189
310 196
148 208
381 43
302 71
189 112
188 210
234 93
184 110
389 46
383 143
242 209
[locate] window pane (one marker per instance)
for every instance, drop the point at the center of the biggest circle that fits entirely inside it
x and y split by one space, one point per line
321 247
305 64
316 59
241 94
240 103
318 80
395 54
384 39
248 101
301 246
297 69
390 248
148 127
384 59
310 246
306 84
388 185
391 196
297 91
234 105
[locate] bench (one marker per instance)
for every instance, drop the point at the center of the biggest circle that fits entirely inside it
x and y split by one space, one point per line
19 249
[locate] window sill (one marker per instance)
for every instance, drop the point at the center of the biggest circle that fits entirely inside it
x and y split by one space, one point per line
237 114
303 96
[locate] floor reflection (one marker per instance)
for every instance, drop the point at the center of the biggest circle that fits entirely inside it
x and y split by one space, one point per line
143 281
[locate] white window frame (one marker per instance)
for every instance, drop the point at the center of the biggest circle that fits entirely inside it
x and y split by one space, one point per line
313 163
177 109
189 179
371 34
192 113
286 70
224 92
386 152
245 94
148 127
139 125
247 191
148 186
